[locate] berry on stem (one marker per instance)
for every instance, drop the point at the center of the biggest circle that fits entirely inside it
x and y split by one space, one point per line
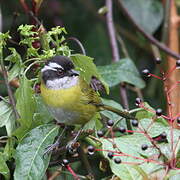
178 120
145 72
122 129
163 135
100 133
158 112
134 122
158 61
65 162
91 150
178 63
138 101
144 147
110 123
110 155
117 160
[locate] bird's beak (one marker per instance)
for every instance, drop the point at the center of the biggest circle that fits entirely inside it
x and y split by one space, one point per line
73 73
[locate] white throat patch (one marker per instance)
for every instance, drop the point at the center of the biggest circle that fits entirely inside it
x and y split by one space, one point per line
62 83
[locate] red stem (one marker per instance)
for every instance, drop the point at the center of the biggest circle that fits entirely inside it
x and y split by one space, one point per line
72 172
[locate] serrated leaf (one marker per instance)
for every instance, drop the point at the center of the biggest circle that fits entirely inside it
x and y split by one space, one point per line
7 117
121 71
4 170
14 56
144 11
87 68
30 160
25 102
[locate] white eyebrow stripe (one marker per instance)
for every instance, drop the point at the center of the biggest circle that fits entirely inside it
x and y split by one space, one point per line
45 68
55 65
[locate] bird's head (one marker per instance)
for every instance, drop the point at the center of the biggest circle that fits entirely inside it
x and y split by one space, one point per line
59 73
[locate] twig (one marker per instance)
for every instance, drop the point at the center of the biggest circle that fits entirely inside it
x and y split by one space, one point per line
115 53
24 5
55 174
165 28
10 93
148 36
111 31
85 161
77 41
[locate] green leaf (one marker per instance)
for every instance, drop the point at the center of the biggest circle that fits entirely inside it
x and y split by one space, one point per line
7 117
26 30
87 68
110 114
14 56
9 148
94 123
148 14
121 71
142 114
131 146
30 160
85 65
4 170
41 114
25 102
3 39
173 175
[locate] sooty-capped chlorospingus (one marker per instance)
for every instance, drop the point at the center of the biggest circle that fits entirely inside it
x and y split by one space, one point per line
69 98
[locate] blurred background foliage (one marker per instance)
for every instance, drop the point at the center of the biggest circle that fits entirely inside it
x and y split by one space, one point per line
82 20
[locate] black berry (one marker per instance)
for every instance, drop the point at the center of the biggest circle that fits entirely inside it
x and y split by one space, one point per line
110 123
138 101
163 135
91 149
145 72
65 162
159 112
158 61
110 155
178 63
100 133
144 147
134 123
117 160
178 120
122 129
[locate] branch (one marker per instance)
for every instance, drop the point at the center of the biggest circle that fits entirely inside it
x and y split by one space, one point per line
10 93
111 31
114 47
148 36
77 42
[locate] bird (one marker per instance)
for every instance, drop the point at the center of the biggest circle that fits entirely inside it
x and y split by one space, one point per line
68 97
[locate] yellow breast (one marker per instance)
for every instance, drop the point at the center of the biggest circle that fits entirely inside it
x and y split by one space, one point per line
75 99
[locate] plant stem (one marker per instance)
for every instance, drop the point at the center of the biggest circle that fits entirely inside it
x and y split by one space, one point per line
77 42
111 31
10 93
115 53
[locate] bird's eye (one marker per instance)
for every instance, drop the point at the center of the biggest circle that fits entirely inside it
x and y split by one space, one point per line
59 72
